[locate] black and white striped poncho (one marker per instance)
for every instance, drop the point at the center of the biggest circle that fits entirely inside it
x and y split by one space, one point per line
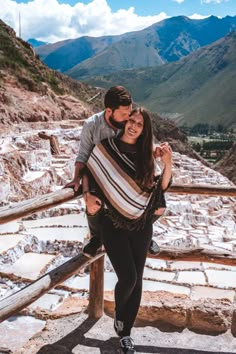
129 206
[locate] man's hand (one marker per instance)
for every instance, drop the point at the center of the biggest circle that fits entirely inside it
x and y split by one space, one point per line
75 183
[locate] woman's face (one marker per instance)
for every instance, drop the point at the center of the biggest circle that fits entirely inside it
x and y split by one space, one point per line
134 127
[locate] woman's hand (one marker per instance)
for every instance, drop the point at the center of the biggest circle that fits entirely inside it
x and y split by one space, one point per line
166 154
93 203
158 149
166 158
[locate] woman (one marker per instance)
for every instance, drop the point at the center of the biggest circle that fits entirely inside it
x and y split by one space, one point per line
122 170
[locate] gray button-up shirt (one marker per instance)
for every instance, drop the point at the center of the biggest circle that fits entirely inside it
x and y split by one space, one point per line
95 129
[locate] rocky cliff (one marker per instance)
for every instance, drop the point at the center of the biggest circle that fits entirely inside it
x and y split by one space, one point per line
31 92
226 166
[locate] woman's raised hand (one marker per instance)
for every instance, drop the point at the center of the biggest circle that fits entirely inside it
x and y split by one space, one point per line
166 154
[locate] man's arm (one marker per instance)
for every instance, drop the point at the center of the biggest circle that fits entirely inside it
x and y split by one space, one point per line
93 203
85 148
79 166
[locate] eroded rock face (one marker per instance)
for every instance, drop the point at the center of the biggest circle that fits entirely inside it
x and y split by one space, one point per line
227 164
211 316
204 316
19 105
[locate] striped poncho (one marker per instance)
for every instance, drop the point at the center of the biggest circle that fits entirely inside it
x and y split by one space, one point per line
129 206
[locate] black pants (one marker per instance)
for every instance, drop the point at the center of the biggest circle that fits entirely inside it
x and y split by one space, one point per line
94 223
127 251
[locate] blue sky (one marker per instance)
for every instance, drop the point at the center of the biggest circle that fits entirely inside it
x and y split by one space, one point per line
54 20
172 8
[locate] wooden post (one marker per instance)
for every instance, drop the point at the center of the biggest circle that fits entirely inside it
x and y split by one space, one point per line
96 288
24 297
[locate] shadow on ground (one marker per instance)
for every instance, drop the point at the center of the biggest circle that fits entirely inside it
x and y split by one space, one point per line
111 346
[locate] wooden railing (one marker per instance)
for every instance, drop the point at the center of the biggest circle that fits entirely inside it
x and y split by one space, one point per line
17 301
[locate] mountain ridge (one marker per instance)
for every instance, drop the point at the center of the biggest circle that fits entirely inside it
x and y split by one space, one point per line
32 93
166 41
197 88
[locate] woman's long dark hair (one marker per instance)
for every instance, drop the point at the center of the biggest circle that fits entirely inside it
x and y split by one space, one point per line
145 158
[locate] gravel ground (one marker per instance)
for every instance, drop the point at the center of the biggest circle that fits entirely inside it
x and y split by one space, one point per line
77 334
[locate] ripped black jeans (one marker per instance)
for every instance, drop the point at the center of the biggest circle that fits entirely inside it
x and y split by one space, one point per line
127 251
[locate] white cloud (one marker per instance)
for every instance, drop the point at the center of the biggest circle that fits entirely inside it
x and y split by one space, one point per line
50 21
178 1
213 1
197 17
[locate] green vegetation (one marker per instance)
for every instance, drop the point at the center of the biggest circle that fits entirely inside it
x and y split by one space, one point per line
198 88
211 146
19 59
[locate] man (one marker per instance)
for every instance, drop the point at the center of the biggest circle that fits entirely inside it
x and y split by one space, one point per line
102 125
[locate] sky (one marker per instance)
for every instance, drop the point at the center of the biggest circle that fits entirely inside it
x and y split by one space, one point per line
55 20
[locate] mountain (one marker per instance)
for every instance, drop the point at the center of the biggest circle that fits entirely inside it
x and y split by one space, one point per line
31 92
227 165
64 55
163 42
198 88
35 43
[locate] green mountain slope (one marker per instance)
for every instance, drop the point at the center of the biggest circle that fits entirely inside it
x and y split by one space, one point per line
130 53
30 93
21 67
66 54
199 88
163 42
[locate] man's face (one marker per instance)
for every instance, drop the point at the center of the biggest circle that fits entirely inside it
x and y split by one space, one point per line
119 116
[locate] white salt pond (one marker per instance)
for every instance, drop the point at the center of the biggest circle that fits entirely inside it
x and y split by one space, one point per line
11 227
9 241
32 175
71 220
29 266
11 334
59 233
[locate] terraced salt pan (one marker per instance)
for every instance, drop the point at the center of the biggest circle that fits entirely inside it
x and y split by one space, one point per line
190 277
204 292
156 263
72 220
11 227
221 278
181 265
155 274
149 285
224 246
59 234
47 302
11 333
29 265
110 280
9 241
207 265
32 175
82 283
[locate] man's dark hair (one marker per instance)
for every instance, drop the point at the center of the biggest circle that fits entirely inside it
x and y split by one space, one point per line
117 96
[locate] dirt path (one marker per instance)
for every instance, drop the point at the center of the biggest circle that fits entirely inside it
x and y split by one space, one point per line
79 335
